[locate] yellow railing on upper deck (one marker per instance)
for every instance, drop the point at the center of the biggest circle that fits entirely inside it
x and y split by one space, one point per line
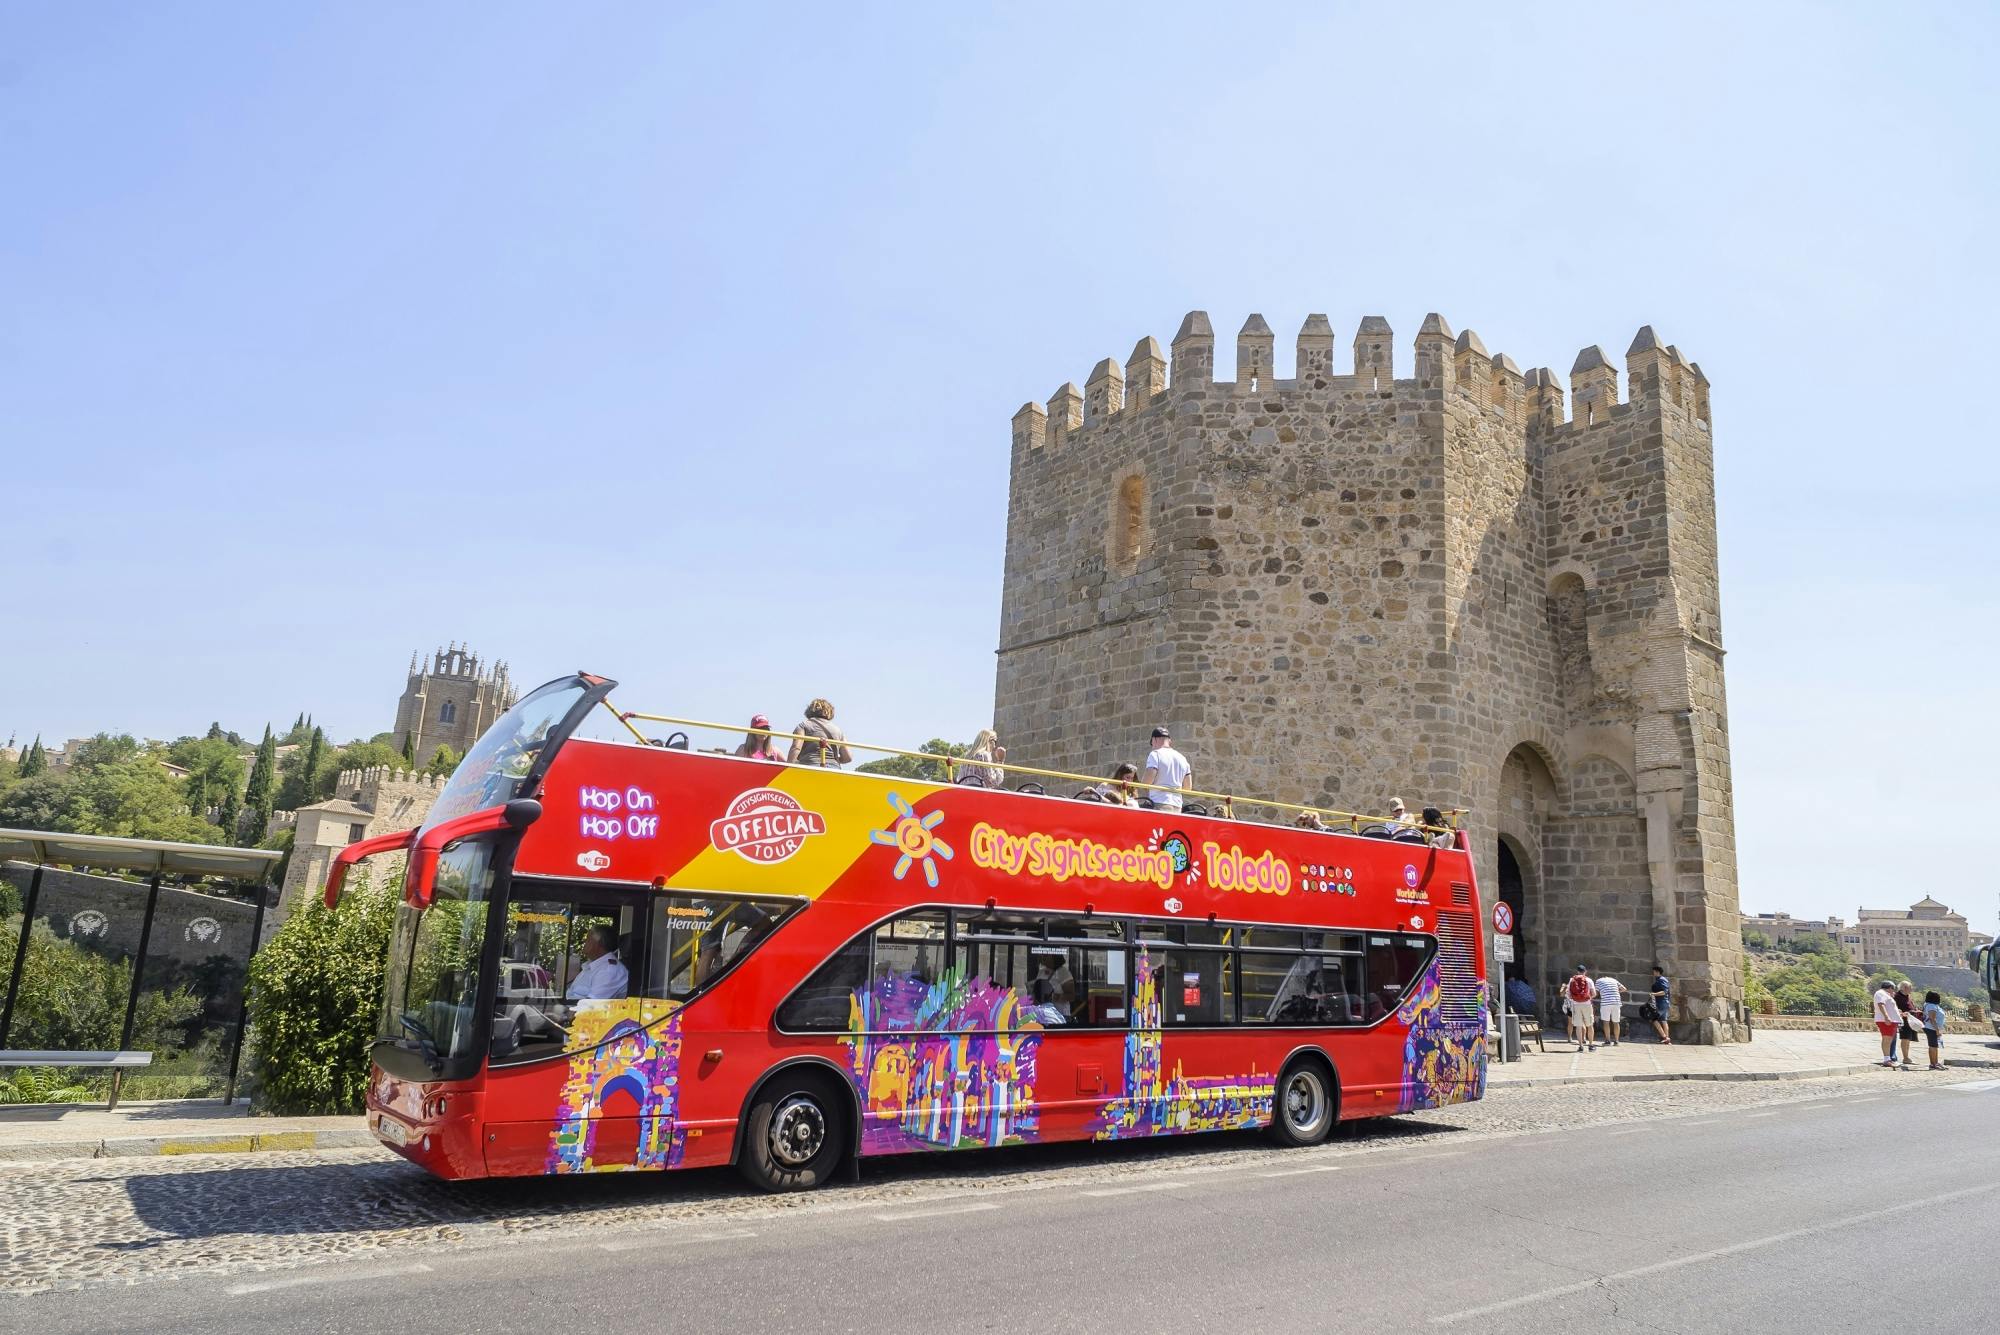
1225 808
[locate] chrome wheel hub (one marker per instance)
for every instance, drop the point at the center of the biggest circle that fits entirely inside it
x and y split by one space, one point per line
798 1130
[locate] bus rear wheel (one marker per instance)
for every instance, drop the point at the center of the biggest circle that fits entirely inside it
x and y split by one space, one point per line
795 1136
1305 1109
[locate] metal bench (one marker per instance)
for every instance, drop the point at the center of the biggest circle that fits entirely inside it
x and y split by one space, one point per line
115 1062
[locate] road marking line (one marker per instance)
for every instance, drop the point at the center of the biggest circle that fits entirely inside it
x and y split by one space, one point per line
1976 1087
1630 1131
1872 1098
1144 1186
665 1239
1294 1172
1773 1113
1702 1121
298 1281
974 1208
1716 1254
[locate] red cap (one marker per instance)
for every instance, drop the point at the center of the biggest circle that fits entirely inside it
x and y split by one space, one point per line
760 721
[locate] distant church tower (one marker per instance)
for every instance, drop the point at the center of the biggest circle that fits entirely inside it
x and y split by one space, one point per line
450 702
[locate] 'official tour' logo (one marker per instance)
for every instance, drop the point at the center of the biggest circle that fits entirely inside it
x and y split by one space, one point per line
764 826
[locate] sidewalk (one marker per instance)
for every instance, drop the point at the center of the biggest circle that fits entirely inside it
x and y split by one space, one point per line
186 1126
1776 1054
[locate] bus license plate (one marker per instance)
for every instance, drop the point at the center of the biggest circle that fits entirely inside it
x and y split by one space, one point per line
392 1130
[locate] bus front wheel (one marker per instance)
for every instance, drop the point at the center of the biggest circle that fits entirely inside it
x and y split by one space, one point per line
1305 1104
796 1135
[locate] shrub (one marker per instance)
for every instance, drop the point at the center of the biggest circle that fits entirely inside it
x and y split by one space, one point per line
315 990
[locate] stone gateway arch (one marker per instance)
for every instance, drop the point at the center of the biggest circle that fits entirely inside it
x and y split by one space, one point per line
1338 588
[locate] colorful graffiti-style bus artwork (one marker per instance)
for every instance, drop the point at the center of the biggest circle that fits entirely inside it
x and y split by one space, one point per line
942 1065
1444 1056
619 1057
1155 1104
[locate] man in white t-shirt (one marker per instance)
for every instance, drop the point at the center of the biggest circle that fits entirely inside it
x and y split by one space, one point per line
1167 773
1610 1007
1888 1019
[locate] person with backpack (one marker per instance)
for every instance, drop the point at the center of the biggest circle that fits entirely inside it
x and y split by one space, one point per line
1582 997
1933 1014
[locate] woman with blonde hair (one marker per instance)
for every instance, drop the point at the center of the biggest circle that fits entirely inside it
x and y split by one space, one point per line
983 759
819 742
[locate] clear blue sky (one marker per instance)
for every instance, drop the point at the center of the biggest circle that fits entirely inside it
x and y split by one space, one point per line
682 345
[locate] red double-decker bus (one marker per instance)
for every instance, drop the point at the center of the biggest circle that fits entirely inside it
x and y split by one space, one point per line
617 955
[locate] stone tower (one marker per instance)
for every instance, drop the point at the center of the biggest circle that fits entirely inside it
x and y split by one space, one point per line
1338 588
450 702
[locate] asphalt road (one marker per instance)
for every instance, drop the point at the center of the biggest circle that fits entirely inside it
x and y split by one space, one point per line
1861 1210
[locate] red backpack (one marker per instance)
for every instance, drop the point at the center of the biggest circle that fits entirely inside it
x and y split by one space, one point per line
1579 988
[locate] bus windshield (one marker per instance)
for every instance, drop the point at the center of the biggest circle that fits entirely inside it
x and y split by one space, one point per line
492 770
431 994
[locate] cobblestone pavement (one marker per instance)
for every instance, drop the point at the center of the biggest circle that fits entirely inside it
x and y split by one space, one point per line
77 1223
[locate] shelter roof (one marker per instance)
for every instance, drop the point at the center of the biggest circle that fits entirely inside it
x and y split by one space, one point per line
145 855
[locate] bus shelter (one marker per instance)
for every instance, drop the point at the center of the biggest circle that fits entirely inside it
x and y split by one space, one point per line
116 947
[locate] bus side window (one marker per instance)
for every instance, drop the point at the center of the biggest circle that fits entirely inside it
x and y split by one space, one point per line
825 1002
1392 963
911 947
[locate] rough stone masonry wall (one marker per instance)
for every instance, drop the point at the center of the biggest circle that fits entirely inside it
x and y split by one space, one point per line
1353 586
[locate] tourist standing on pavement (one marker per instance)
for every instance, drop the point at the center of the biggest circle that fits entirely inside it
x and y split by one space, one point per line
1663 1001
1887 1021
1582 995
1934 1028
1610 1007
1911 1024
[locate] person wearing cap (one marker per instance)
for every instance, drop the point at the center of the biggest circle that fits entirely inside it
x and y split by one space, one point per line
1399 813
1167 773
757 743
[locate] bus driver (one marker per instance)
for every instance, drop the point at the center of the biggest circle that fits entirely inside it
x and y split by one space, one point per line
602 977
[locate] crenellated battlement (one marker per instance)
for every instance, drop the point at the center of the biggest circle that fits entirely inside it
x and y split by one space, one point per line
1658 377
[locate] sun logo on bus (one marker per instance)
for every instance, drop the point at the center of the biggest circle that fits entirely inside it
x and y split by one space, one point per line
911 836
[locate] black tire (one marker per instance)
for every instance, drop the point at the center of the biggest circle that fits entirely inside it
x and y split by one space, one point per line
795 1135
1305 1105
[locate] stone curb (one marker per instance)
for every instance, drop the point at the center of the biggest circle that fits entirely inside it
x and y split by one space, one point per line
123 1147
1807 1073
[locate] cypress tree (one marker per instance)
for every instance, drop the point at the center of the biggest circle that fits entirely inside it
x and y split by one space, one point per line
231 817
35 762
410 748
263 781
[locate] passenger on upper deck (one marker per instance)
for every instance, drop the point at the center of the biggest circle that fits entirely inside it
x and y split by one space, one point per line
1117 790
822 744
1167 773
602 977
1309 820
1399 813
758 743
1439 838
983 760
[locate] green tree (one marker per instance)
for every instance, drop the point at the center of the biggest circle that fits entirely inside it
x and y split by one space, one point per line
298 773
230 819
133 798
215 770
263 785
410 749
36 761
214 733
909 767
315 992
38 803
443 761
105 749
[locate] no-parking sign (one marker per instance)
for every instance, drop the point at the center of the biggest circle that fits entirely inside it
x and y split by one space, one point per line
1503 917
